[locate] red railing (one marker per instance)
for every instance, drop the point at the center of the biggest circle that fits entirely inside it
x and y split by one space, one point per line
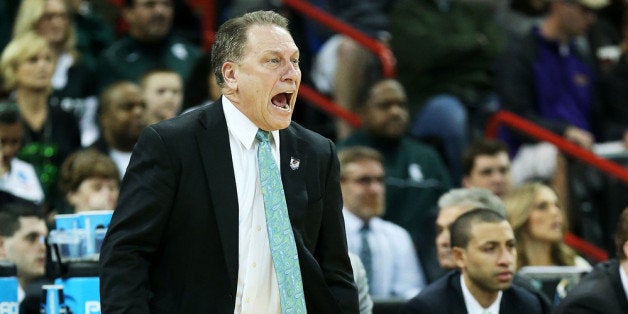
207 12
585 247
384 54
516 122
386 57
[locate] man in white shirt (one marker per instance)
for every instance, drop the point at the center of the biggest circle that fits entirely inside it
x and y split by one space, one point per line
386 249
121 115
484 250
232 208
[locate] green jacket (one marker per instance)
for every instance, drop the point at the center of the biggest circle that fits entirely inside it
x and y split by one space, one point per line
128 59
444 51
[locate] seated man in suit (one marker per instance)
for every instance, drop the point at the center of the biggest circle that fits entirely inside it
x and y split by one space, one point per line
605 289
484 250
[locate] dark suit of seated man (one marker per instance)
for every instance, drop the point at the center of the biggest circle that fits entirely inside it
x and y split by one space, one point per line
604 289
484 250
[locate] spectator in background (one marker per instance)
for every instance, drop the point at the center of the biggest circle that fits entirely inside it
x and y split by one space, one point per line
121 115
16 176
539 224
546 78
445 50
486 164
22 241
485 252
162 91
457 202
453 204
605 289
415 174
93 32
148 45
89 180
342 67
386 249
73 85
51 134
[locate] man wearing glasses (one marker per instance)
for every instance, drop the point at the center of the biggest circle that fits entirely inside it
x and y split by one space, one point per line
386 250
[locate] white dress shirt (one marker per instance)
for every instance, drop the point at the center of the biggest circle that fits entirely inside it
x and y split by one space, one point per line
395 266
624 279
121 159
257 291
22 181
473 306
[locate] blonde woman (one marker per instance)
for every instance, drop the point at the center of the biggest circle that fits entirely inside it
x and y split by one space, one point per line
73 82
27 64
539 224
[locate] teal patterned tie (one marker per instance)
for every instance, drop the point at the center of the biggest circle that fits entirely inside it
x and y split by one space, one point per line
282 246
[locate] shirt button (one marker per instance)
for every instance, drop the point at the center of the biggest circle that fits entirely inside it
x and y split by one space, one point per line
259 228
248 300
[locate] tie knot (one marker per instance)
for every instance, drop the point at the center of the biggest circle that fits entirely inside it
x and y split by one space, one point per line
262 136
365 228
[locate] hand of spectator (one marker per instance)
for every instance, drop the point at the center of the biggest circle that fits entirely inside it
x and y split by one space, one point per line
579 136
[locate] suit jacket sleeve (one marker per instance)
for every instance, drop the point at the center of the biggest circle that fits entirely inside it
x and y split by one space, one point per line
136 227
331 249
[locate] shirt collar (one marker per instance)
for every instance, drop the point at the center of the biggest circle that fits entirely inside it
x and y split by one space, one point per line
241 127
354 223
473 306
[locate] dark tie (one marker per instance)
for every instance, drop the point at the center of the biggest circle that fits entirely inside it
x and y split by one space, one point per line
280 236
365 252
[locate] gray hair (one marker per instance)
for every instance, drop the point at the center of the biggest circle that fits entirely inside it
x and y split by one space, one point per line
231 38
473 197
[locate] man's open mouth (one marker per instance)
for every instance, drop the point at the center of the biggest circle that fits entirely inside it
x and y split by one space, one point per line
282 101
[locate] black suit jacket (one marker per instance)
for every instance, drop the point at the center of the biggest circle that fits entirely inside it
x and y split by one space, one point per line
600 291
172 245
445 296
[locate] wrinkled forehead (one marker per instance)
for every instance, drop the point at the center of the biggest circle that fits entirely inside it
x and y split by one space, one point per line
263 38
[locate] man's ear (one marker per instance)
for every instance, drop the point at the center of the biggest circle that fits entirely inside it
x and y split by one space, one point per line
230 75
460 256
625 248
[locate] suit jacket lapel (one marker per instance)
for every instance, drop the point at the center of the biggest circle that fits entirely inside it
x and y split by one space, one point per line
213 143
293 165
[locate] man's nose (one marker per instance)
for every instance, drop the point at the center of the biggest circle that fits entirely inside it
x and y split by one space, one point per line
292 72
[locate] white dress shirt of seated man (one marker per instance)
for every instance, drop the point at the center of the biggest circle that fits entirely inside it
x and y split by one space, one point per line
392 266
